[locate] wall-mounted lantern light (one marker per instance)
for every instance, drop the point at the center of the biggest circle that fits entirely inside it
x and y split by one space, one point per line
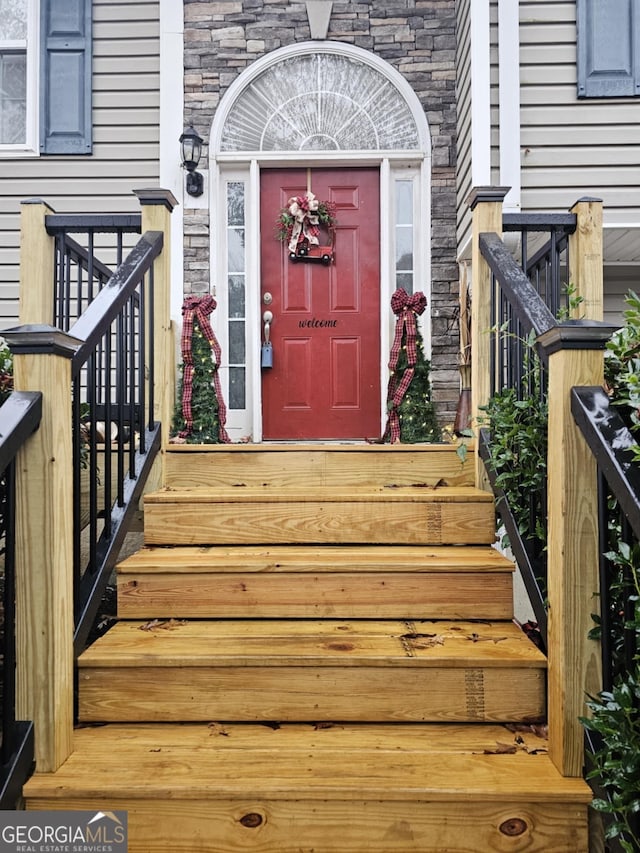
191 147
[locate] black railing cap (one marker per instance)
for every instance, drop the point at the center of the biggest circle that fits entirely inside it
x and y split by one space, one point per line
576 334
479 194
85 223
36 200
42 339
585 198
156 195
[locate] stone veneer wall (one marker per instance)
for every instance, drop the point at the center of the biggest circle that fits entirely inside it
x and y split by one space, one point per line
417 37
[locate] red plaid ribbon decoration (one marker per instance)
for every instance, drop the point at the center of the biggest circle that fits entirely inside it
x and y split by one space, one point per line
199 308
406 308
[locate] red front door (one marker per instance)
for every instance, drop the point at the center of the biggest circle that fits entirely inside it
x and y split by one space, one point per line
325 333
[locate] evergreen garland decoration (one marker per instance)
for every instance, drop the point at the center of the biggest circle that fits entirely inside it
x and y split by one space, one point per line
412 415
416 412
200 413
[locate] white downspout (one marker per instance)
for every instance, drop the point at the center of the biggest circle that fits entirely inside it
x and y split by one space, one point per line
480 35
171 112
509 102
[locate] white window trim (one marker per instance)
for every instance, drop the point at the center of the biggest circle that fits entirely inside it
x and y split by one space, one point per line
30 147
295 50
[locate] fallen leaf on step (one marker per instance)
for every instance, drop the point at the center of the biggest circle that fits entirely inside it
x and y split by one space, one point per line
540 730
430 642
477 638
502 749
414 636
165 624
439 483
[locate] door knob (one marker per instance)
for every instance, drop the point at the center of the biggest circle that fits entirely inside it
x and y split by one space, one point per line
266 358
267 319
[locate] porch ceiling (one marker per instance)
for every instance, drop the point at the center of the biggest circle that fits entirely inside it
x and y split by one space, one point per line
621 244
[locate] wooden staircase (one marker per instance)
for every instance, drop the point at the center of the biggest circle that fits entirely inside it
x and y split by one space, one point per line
316 653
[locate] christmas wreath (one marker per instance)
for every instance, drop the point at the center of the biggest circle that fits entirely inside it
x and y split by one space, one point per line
302 219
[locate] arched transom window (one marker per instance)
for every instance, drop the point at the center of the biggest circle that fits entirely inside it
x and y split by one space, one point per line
320 101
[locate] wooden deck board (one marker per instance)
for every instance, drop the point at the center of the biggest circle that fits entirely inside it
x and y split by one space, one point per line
318 558
228 825
398 761
220 788
317 643
375 516
312 670
325 693
284 466
358 594
240 493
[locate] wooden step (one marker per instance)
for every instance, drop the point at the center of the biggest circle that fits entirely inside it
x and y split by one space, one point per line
220 788
375 515
310 465
287 670
345 582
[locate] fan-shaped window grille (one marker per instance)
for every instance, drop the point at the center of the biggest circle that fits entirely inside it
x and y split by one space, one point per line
320 102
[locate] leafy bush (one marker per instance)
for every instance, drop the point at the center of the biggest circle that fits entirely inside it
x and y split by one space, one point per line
615 714
622 365
517 420
6 371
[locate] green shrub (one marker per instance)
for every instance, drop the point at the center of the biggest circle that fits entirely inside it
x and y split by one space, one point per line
615 714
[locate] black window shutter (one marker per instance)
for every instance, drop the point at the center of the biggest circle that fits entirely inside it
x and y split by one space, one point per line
608 48
65 77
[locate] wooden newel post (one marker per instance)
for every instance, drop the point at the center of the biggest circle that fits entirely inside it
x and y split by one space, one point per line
36 263
486 207
44 545
575 358
157 206
586 258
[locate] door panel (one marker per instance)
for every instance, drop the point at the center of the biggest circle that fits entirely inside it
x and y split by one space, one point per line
325 379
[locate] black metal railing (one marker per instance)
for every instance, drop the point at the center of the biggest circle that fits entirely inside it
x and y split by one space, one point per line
79 274
19 417
544 253
520 316
115 437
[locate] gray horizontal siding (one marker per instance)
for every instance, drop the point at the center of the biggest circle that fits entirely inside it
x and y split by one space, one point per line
571 148
126 68
463 105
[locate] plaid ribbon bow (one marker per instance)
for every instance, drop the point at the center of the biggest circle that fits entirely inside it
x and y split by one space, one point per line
199 308
406 308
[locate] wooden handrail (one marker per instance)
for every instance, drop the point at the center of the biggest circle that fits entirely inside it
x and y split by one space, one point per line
95 321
